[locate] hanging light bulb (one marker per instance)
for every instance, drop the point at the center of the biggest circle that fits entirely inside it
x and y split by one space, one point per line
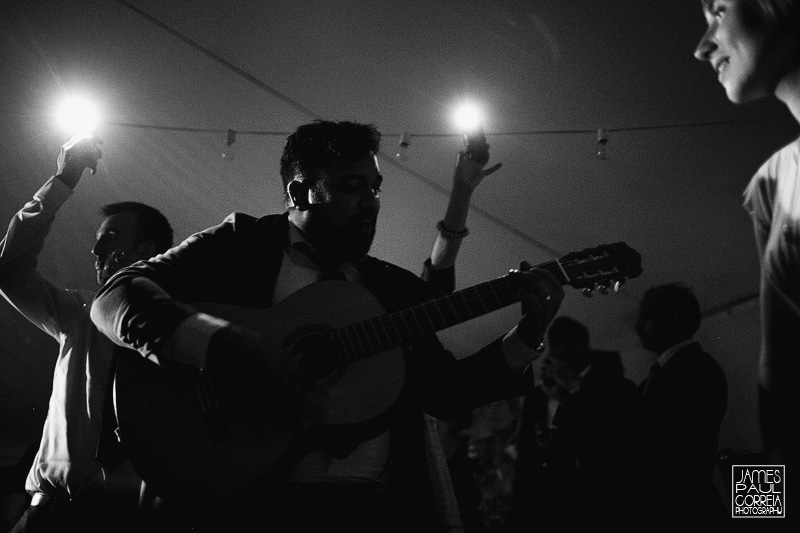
602 143
469 119
78 116
476 145
230 140
402 146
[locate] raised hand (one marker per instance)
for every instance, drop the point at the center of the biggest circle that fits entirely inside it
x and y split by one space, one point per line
76 155
469 172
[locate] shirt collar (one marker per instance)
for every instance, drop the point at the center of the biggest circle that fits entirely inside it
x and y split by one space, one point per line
295 236
299 258
667 354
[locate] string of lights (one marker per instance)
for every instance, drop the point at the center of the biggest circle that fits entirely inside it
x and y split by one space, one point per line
404 138
407 136
230 135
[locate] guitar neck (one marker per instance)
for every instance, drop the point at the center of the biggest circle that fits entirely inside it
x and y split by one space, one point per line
380 333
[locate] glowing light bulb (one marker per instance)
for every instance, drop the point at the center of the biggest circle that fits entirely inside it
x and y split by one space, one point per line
230 142
602 143
468 118
77 116
476 145
402 146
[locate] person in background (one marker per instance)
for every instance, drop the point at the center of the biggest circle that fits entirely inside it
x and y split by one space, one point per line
604 411
545 482
681 406
371 478
754 48
71 487
574 435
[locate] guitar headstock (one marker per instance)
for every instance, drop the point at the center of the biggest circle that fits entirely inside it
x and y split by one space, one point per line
601 268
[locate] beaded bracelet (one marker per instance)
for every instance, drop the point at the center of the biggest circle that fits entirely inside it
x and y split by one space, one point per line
450 234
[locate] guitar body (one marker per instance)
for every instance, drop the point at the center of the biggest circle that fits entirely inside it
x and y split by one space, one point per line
193 441
195 438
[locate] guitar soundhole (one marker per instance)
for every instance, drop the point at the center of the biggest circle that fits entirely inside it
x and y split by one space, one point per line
316 355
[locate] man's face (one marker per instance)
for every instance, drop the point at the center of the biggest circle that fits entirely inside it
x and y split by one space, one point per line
750 56
558 378
343 208
117 244
649 331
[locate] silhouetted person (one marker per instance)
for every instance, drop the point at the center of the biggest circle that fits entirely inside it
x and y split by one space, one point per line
682 403
546 470
602 430
73 483
575 432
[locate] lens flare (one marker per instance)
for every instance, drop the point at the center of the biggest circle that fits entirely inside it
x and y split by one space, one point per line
468 117
77 116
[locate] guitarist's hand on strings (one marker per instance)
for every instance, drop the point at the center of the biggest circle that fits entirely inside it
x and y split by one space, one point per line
542 295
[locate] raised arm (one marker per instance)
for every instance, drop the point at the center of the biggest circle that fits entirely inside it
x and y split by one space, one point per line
439 267
20 281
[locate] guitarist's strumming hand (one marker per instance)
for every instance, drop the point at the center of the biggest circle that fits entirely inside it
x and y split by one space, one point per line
542 295
235 359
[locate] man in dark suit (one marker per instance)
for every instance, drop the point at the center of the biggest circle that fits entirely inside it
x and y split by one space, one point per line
683 401
574 436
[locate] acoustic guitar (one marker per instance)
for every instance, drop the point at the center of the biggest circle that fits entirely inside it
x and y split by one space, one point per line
194 440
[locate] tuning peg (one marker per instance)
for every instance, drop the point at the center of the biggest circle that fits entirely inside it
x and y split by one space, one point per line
588 292
618 285
602 288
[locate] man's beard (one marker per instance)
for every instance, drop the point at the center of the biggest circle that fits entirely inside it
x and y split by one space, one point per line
359 246
342 244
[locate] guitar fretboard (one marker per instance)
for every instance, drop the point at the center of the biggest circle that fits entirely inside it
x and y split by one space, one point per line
380 333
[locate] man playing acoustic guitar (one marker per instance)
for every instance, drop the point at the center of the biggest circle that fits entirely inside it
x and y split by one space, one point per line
292 367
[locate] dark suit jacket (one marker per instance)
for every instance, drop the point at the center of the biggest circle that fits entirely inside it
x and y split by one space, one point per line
679 419
237 263
589 450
